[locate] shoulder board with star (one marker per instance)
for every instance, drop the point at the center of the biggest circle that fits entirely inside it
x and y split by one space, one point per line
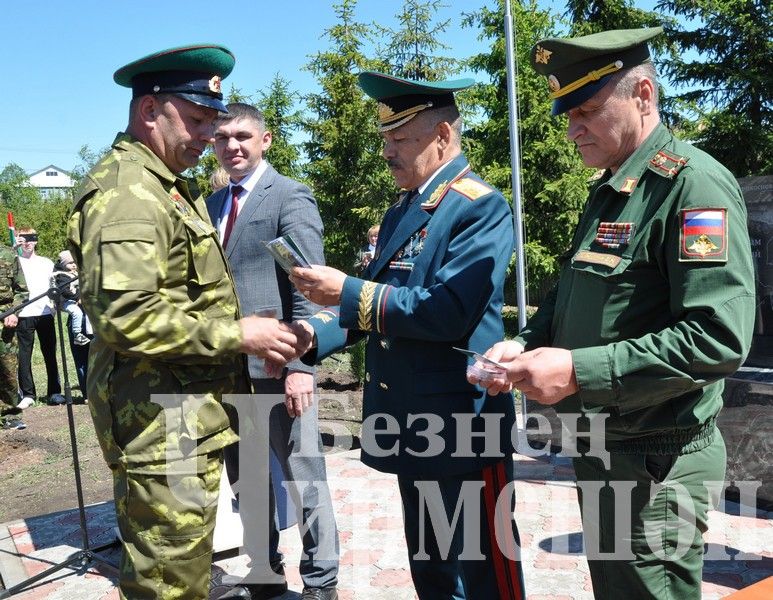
666 164
471 188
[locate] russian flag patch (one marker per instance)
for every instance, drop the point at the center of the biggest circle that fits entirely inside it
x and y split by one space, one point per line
703 235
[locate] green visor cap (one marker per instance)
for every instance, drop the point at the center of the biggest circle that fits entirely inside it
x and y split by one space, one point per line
193 73
579 67
399 100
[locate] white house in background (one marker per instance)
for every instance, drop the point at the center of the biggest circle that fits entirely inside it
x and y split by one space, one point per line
51 180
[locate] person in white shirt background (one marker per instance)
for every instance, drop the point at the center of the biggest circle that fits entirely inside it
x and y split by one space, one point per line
36 318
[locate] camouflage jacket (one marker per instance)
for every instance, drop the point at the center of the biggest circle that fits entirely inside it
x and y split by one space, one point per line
13 286
156 286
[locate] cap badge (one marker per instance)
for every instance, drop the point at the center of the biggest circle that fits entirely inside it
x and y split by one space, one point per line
543 55
215 84
553 83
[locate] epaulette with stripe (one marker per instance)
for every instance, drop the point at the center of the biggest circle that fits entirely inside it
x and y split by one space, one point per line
667 165
471 188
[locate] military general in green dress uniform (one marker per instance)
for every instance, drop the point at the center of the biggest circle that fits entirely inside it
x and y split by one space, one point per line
653 309
156 286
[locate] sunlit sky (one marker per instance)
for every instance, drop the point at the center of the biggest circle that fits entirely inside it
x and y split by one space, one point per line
59 58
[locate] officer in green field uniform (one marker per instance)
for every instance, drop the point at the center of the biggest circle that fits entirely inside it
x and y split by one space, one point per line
13 291
653 309
156 286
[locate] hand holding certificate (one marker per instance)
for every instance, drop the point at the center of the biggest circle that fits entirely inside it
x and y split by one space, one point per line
287 253
484 370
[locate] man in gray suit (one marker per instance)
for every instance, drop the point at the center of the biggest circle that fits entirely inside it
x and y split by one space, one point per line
257 206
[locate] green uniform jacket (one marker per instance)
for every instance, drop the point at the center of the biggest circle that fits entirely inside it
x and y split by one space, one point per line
156 286
655 298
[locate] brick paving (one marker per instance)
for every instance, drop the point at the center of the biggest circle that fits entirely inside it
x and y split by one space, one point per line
374 565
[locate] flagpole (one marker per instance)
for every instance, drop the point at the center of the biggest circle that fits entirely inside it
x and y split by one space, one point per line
515 167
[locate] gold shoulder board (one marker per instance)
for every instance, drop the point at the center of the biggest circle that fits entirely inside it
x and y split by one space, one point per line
471 188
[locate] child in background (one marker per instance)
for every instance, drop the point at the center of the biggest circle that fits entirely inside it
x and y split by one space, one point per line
65 279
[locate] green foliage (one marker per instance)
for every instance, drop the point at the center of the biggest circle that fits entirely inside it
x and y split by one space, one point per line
592 16
357 360
87 158
48 216
347 173
410 49
553 178
510 319
726 105
282 121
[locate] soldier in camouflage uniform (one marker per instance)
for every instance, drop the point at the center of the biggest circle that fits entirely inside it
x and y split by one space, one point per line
156 286
13 291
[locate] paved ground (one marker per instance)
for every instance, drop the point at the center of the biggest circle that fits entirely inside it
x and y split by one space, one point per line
373 560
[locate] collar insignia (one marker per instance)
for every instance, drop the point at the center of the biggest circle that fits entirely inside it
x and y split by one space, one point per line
628 185
437 193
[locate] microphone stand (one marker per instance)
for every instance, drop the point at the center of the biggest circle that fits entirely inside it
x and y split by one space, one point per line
86 555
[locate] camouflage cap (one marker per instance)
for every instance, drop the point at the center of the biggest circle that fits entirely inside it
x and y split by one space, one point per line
193 73
399 100
579 67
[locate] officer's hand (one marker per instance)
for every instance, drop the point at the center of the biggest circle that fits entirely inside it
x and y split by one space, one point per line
299 392
545 374
268 338
305 334
322 285
501 352
11 321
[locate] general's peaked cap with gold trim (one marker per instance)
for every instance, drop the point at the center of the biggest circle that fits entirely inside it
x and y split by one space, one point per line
193 73
579 67
399 100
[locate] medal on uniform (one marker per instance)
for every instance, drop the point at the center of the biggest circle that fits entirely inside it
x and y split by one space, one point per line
180 204
614 235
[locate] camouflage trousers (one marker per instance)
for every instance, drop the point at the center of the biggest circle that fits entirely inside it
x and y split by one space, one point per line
9 373
166 517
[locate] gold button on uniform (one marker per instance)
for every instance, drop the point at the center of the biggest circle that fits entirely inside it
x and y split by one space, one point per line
367 377
384 386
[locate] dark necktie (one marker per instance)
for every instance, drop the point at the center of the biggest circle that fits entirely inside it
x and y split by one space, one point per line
229 224
410 196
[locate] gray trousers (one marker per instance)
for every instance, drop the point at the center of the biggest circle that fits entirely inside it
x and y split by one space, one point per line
297 446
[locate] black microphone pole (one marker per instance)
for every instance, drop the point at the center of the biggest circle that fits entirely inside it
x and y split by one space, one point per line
87 555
